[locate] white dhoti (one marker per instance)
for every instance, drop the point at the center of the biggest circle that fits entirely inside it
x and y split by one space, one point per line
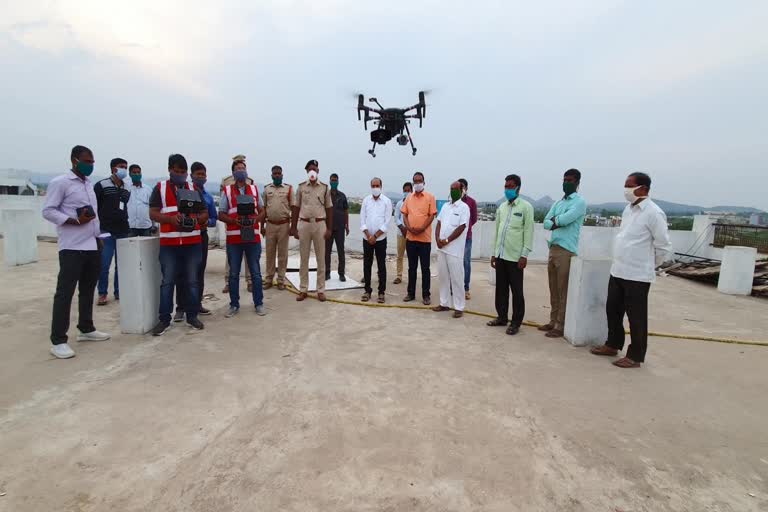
451 274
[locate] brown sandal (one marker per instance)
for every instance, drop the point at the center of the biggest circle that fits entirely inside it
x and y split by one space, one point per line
626 362
496 322
366 297
603 350
438 309
301 297
321 297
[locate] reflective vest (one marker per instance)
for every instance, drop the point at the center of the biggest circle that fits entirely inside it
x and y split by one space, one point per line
169 235
233 230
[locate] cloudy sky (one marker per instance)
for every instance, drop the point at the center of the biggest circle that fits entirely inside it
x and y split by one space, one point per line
676 89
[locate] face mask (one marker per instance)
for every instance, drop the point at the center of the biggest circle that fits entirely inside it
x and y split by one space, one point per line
121 173
313 176
455 194
84 168
277 181
200 182
418 187
629 194
405 195
510 193
376 191
178 179
569 188
240 175
136 178
334 185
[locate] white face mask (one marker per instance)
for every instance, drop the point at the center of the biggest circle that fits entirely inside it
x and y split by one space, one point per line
376 191
629 194
418 187
312 175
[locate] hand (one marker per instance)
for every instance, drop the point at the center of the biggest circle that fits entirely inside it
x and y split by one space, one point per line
177 221
84 218
493 262
239 221
372 239
327 234
347 230
403 230
554 224
295 233
522 263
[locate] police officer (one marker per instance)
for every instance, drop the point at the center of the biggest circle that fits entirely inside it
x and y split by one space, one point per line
311 224
277 226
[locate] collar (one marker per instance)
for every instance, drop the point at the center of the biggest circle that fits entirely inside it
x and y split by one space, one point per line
572 196
642 204
456 202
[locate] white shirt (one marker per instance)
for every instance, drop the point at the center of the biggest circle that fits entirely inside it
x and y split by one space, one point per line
138 206
642 243
375 215
453 215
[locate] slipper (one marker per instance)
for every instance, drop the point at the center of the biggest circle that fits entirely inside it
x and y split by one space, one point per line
366 297
496 322
513 329
438 309
381 299
458 314
626 362
321 297
547 327
554 333
301 297
603 350
102 300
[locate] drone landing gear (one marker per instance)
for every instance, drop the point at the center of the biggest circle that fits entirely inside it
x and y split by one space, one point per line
410 139
372 151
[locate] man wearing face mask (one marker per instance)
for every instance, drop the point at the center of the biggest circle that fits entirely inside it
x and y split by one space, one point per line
375 213
70 204
419 211
472 205
401 231
238 163
451 234
641 246
312 224
564 219
199 179
138 203
277 225
113 197
340 227
513 242
180 252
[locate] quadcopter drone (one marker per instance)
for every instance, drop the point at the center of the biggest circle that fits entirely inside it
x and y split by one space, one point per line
391 121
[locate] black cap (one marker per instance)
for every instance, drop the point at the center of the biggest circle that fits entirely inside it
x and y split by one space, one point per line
311 162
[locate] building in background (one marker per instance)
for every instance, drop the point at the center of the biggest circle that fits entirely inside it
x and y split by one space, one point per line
15 182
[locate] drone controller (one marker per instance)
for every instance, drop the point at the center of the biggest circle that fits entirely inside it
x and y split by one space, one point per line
246 209
189 203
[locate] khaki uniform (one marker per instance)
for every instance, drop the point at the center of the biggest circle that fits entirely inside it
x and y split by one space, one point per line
277 203
230 180
312 201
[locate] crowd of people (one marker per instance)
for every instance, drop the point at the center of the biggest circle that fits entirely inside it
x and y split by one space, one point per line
90 218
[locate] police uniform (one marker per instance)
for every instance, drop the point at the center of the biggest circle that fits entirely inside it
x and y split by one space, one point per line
226 182
277 229
312 200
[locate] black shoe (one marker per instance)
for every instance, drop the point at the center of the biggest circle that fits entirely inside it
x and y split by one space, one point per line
327 277
178 316
161 328
342 279
408 298
204 312
196 324
513 329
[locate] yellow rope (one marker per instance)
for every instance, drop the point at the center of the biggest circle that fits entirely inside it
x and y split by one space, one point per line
535 324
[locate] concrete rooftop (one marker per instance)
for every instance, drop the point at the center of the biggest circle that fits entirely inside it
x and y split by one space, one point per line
334 407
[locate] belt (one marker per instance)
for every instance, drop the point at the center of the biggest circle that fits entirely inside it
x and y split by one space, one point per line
312 220
279 222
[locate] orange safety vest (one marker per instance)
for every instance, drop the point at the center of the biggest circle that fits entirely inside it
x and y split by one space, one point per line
169 235
233 231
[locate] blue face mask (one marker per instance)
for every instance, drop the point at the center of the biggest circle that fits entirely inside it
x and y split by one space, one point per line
178 179
200 182
121 173
510 193
240 175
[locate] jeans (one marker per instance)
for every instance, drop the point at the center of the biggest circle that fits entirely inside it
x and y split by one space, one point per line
380 250
141 232
76 269
509 277
467 263
109 250
418 252
337 236
180 299
235 256
180 262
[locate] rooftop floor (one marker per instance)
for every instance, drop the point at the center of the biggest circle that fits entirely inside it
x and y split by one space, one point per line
343 408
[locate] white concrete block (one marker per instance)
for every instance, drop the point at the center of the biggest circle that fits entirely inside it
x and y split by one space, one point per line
140 279
20 236
585 322
737 270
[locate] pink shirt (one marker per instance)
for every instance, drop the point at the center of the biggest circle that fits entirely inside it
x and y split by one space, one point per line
65 195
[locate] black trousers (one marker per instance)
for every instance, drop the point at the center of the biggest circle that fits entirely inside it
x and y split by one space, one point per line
380 250
79 269
630 297
141 231
200 274
337 236
509 277
418 252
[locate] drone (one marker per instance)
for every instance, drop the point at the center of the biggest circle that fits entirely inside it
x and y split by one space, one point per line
391 121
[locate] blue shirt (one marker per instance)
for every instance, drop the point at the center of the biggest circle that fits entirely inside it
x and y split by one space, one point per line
211 206
569 215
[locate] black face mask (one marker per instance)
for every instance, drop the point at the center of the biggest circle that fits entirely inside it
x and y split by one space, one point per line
569 188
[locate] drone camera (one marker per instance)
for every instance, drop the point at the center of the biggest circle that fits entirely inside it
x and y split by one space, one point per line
402 140
380 136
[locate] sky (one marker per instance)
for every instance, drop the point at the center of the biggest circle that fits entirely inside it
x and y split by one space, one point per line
675 89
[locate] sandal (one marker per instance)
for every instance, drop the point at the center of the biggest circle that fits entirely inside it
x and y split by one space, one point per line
496 322
438 309
381 298
626 362
321 297
513 329
603 350
366 297
301 297
554 333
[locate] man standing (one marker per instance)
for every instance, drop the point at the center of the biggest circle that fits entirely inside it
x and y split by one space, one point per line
419 210
70 204
238 244
564 219
472 204
640 247
401 231
199 179
180 253
238 163
340 228
277 226
375 213
138 204
512 243
451 234
312 224
112 197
